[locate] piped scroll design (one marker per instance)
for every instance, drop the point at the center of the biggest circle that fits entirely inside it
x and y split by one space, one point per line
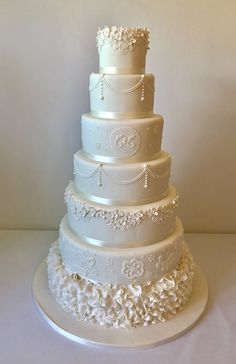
122 140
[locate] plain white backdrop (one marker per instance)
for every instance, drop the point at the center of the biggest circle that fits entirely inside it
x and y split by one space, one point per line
48 50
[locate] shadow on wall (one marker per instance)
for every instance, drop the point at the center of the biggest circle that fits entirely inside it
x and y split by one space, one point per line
207 170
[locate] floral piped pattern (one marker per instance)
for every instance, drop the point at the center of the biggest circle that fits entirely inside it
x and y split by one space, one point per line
132 268
121 219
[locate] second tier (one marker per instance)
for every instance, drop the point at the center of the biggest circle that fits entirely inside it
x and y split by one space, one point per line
121 96
120 226
122 183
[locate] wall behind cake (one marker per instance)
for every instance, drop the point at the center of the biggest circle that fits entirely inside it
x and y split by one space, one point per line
47 51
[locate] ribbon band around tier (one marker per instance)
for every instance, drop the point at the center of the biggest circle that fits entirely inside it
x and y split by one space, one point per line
121 115
132 159
122 70
110 201
111 244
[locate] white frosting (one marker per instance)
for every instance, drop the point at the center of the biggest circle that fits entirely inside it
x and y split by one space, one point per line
140 139
120 265
122 49
124 183
120 259
126 96
119 305
121 226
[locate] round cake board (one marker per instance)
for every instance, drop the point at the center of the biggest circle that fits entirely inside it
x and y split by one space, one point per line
98 336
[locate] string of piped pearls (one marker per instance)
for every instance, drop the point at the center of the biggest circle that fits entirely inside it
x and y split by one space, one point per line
101 90
146 172
100 175
142 91
103 81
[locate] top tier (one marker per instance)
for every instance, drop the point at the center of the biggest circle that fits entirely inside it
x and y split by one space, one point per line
122 50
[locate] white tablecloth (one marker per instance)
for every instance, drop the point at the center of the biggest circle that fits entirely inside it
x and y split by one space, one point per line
26 338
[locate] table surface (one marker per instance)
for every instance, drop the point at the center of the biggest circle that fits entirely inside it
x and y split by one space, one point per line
26 338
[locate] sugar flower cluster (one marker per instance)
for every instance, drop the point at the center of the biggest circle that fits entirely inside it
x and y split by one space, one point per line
123 39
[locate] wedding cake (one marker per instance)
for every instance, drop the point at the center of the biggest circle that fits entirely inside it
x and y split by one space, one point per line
120 259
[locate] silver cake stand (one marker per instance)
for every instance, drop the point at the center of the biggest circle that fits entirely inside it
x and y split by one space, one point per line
93 335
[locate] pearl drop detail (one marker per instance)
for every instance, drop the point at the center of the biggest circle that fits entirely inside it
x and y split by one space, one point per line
142 89
100 175
101 90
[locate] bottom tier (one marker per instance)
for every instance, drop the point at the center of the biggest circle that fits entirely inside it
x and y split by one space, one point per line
119 305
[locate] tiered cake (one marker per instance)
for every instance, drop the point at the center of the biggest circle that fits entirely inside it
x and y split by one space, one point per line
120 259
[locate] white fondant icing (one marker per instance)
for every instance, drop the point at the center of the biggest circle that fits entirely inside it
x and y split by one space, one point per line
118 305
123 182
121 260
96 138
121 95
128 265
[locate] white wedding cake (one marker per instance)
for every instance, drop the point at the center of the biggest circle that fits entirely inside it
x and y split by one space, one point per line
120 259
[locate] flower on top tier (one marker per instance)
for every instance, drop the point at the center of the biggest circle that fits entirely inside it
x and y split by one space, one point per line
123 39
